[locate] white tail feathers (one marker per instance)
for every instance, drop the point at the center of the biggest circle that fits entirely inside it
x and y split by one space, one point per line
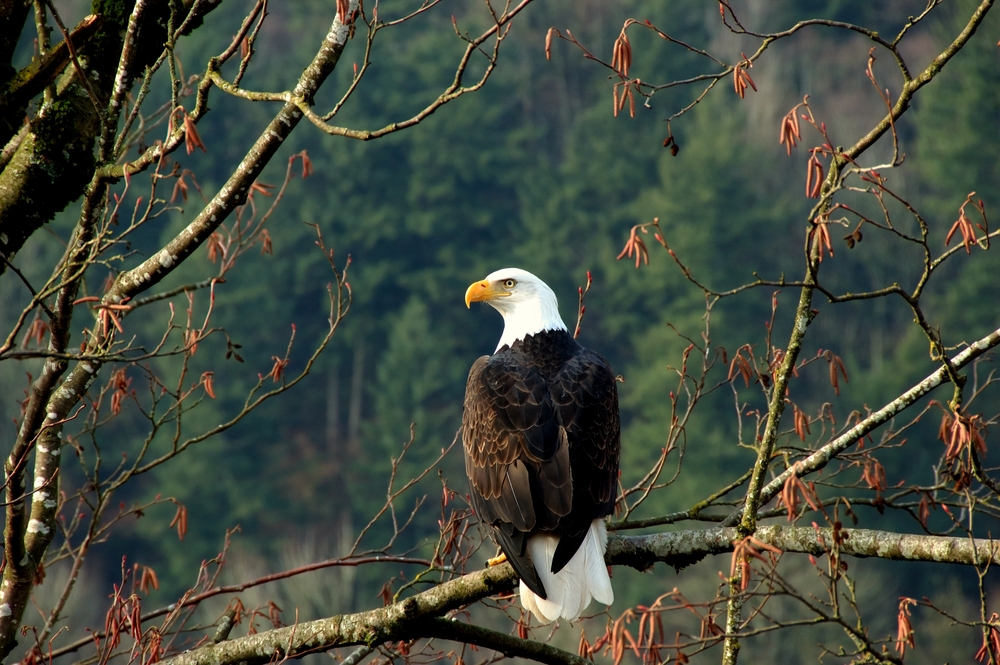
570 590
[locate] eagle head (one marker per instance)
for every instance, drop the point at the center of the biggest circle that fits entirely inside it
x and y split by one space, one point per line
527 304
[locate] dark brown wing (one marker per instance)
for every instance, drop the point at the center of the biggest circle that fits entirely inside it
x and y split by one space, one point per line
516 455
585 399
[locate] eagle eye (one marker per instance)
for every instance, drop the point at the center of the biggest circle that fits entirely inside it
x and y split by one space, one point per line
509 283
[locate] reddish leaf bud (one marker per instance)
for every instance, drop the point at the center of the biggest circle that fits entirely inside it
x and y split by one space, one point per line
548 42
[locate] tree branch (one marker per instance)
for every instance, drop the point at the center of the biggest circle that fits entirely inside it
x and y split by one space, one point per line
414 617
508 645
234 192
683 548
822 457
911 87
392 622
31 80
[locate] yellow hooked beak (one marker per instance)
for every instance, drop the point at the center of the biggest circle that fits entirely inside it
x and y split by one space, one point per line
483 290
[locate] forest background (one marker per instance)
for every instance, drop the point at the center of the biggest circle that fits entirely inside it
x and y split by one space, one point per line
534 171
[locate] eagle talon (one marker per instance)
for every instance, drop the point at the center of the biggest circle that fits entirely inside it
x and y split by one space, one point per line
497 560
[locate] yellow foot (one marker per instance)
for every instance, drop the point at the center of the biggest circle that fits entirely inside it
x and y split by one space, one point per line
497 560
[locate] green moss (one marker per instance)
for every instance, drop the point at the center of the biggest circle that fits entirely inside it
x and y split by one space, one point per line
104 50
50 168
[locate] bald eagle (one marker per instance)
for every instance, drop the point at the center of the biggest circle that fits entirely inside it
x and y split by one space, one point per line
541 438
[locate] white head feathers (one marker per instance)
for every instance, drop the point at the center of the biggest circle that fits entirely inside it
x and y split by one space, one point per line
527 304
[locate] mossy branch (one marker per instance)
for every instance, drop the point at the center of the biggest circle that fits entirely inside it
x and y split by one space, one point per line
416 617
